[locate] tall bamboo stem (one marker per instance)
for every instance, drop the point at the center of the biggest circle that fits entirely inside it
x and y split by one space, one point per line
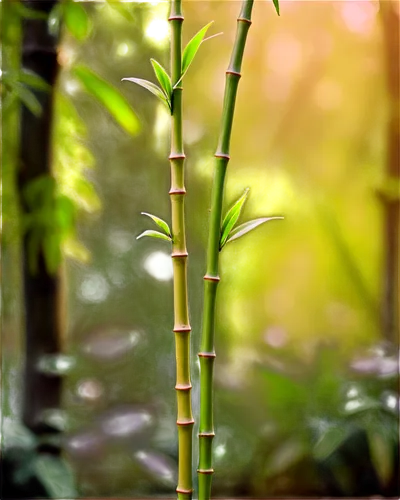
211 279
182 327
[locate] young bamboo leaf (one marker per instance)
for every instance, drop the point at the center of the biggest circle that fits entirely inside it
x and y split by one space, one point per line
161 223
276 5
33 80
76 20
192 47
151 87
231 218
184 72
154 234
163 78
248 226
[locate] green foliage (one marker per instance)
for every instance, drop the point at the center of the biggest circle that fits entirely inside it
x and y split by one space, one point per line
151 87
56 475
76 19
246 227
192 47
154 234
109 97
49 219
276 5
163 78
229 232
340 411
15 87
161 223
232 217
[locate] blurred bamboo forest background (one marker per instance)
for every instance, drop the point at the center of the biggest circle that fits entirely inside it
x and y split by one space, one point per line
307 372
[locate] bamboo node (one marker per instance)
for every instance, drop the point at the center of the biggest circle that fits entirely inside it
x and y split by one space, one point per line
183 387
182 329
205 471
176 18
185 421
176 156
206 355
212 278
232 72
206 434
244 19
177 191
179 254
184 491
222 155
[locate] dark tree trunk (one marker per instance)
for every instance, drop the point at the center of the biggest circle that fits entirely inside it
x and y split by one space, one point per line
41 290
391 43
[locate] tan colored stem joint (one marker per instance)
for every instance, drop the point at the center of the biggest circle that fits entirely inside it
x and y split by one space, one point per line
244 20
222 155
176 156
183 491
173 191
182 329
176 18
206 355
183 387
175 255
206 434
186 421
205 471
207 277
232 72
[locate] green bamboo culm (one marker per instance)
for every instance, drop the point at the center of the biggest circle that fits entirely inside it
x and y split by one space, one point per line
182 327
211 279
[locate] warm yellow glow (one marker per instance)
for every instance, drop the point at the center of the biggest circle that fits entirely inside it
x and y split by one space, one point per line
157 31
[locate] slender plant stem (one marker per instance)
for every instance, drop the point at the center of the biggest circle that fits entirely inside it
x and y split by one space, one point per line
211 279
182 327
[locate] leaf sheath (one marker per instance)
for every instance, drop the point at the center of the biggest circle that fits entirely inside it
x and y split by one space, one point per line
179 256
211 279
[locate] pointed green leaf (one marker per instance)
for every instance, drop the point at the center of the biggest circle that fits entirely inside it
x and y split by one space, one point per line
76 20
29 13
56 475
154 234
276 5
32 80
110 97
231 218
184 72
161 223
248 226
380 450
329 442
163 78
151 87
192 47
28 98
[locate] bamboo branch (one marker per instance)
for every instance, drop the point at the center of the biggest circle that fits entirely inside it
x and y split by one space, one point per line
179 256
211 279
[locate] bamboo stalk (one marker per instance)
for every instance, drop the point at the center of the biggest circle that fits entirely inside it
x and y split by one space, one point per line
211 279
182 327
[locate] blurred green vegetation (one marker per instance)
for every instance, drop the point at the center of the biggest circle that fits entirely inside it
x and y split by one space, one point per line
303 368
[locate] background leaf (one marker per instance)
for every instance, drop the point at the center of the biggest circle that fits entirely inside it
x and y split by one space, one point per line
56 475
76 20
28 98
248 226
110 97
161 223
154 234
329 442
380 451
286 455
